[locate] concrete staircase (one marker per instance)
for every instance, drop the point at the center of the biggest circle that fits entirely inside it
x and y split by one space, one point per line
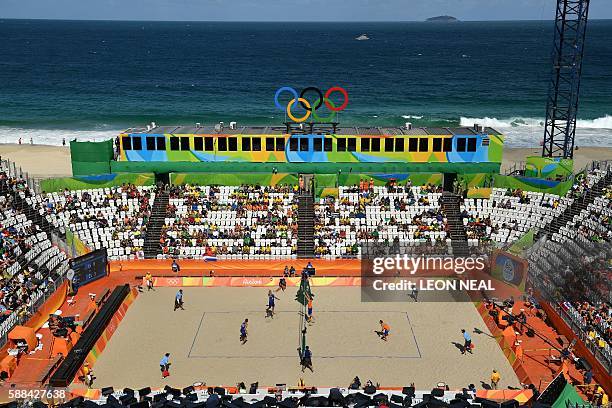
152 248
305 243
451 207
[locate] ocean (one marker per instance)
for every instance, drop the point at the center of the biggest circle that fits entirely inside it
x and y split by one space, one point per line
89 80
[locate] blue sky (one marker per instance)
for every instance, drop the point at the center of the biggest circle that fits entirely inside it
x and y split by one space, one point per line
289 10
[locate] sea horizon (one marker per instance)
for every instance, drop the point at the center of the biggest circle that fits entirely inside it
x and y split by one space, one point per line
288 21
74 79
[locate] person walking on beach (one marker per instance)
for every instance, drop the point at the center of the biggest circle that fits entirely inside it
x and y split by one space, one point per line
495 377
244 331
178 300
467 342
164 365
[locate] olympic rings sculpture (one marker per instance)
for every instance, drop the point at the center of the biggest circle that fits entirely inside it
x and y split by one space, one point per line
311 108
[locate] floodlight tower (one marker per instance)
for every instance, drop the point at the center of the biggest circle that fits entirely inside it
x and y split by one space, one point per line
562 103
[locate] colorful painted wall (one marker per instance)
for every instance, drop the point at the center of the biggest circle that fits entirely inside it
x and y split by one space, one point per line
307 168
134 148
75 244
533 184
548 167
381 179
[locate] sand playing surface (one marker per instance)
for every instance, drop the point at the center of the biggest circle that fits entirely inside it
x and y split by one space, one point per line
204 341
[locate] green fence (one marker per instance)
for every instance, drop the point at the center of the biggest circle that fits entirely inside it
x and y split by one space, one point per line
233 179
100 181
91 151
90 168
548 167
314 168
380 179
533 184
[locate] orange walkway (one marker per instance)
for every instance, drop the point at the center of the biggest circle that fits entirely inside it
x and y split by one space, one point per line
537 351
31 366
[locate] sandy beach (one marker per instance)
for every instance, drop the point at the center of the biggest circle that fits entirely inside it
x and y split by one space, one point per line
40 161
45 161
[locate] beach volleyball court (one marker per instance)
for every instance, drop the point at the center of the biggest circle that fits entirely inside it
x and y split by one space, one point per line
203 341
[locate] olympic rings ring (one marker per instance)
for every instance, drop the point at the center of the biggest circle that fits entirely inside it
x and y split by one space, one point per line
344 94
318 91
303 118
329 118
285 89
311 108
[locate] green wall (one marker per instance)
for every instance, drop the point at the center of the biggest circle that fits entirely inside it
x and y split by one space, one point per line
532 185
548 167
417 179
89 158
316 168
101 181
233 179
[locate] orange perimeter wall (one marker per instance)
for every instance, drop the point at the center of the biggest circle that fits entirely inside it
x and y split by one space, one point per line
273 267
241 268
582 350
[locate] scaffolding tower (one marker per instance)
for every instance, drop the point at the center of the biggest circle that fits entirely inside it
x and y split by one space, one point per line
562 103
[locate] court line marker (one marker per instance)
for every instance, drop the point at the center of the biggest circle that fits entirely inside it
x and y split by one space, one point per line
189 355
196 335
414 336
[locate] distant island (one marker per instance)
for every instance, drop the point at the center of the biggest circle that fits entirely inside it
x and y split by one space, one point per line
442 19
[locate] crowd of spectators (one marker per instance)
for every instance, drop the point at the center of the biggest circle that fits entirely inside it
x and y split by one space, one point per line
29 262
249 220
597 320
113 218
390 214
573 269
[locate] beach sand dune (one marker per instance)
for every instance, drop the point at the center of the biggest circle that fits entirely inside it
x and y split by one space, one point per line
54 161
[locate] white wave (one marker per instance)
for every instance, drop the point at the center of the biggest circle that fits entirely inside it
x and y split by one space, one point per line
519 131
599 123
523 132
501 123
54 136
